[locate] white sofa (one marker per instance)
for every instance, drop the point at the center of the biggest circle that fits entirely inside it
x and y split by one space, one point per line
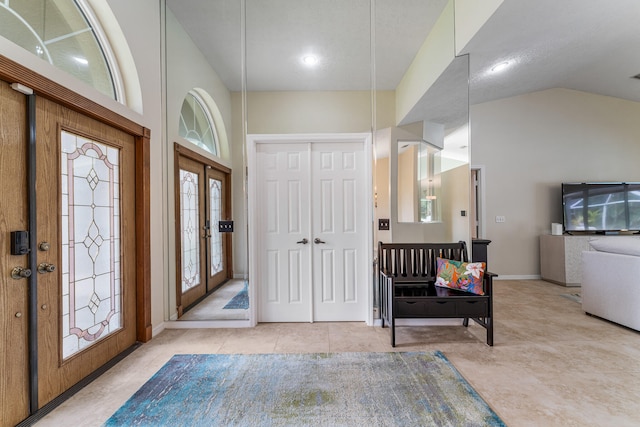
611 280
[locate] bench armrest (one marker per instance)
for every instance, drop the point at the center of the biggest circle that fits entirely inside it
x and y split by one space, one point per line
487 282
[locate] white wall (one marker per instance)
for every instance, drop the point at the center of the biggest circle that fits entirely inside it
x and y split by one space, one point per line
529 145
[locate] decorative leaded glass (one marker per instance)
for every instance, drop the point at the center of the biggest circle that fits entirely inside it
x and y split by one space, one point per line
59 33
196 124
189 220
91 257
215 210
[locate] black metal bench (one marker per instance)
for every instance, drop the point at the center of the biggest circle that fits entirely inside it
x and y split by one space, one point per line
407 273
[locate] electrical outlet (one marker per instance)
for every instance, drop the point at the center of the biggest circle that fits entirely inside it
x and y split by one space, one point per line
501 218
383 223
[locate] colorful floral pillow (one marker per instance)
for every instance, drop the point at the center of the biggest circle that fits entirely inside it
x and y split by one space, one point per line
465 276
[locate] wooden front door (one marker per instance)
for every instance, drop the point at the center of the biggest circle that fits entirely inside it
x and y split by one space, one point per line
14 314
85 251
203 259
85 188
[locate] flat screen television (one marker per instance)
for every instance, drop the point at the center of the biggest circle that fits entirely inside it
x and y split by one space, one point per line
600 207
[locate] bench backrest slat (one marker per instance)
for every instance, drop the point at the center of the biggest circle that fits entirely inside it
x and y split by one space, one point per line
417 261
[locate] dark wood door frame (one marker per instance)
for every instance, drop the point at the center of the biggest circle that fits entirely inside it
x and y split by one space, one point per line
16 73
181 150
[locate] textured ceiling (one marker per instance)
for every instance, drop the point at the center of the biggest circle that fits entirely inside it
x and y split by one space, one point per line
592 46
280 32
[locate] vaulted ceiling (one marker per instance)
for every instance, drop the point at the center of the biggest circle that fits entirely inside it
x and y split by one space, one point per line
588 46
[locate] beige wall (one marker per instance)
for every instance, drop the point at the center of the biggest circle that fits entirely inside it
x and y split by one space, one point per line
407 185
455 199
140 23
382 208
187 69
529 145
296 112
470 16
434 56
317 112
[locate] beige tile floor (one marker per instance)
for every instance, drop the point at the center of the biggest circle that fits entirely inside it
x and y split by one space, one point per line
551 365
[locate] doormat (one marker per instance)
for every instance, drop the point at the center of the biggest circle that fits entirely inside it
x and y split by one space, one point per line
322 389
240 300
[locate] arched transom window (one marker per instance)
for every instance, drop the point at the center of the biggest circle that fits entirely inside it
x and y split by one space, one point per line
197 125
64 33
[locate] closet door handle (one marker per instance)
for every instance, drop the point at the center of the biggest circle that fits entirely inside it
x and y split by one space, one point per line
303 241
318 241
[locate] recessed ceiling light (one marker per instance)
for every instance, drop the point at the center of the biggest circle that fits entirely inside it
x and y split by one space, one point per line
500 67
309 60
80 60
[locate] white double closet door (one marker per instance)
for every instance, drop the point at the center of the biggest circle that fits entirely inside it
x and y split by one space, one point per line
311 232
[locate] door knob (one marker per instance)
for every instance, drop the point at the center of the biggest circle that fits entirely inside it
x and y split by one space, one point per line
46 268
318 241
20 273
303 241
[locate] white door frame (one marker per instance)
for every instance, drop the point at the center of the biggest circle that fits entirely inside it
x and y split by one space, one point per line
480 202
252 141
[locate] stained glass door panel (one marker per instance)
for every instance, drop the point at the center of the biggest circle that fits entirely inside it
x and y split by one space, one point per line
190 220
192 233
91 212
218 242
215 193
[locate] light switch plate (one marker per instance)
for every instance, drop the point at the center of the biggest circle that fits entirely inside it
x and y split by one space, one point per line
225 226
383 224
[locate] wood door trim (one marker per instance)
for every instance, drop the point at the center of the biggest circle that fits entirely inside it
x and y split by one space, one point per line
13 72
185 152
144 327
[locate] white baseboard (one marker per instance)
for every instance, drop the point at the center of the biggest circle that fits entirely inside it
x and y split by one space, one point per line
518 277
204 324
157 329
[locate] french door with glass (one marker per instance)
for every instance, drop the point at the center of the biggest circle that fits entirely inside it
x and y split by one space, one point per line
72 190
203 260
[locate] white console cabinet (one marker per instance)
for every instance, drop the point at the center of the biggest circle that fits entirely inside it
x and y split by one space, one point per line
561 257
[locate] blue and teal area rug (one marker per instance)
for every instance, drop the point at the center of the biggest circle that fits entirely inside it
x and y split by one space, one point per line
325 389
240 300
